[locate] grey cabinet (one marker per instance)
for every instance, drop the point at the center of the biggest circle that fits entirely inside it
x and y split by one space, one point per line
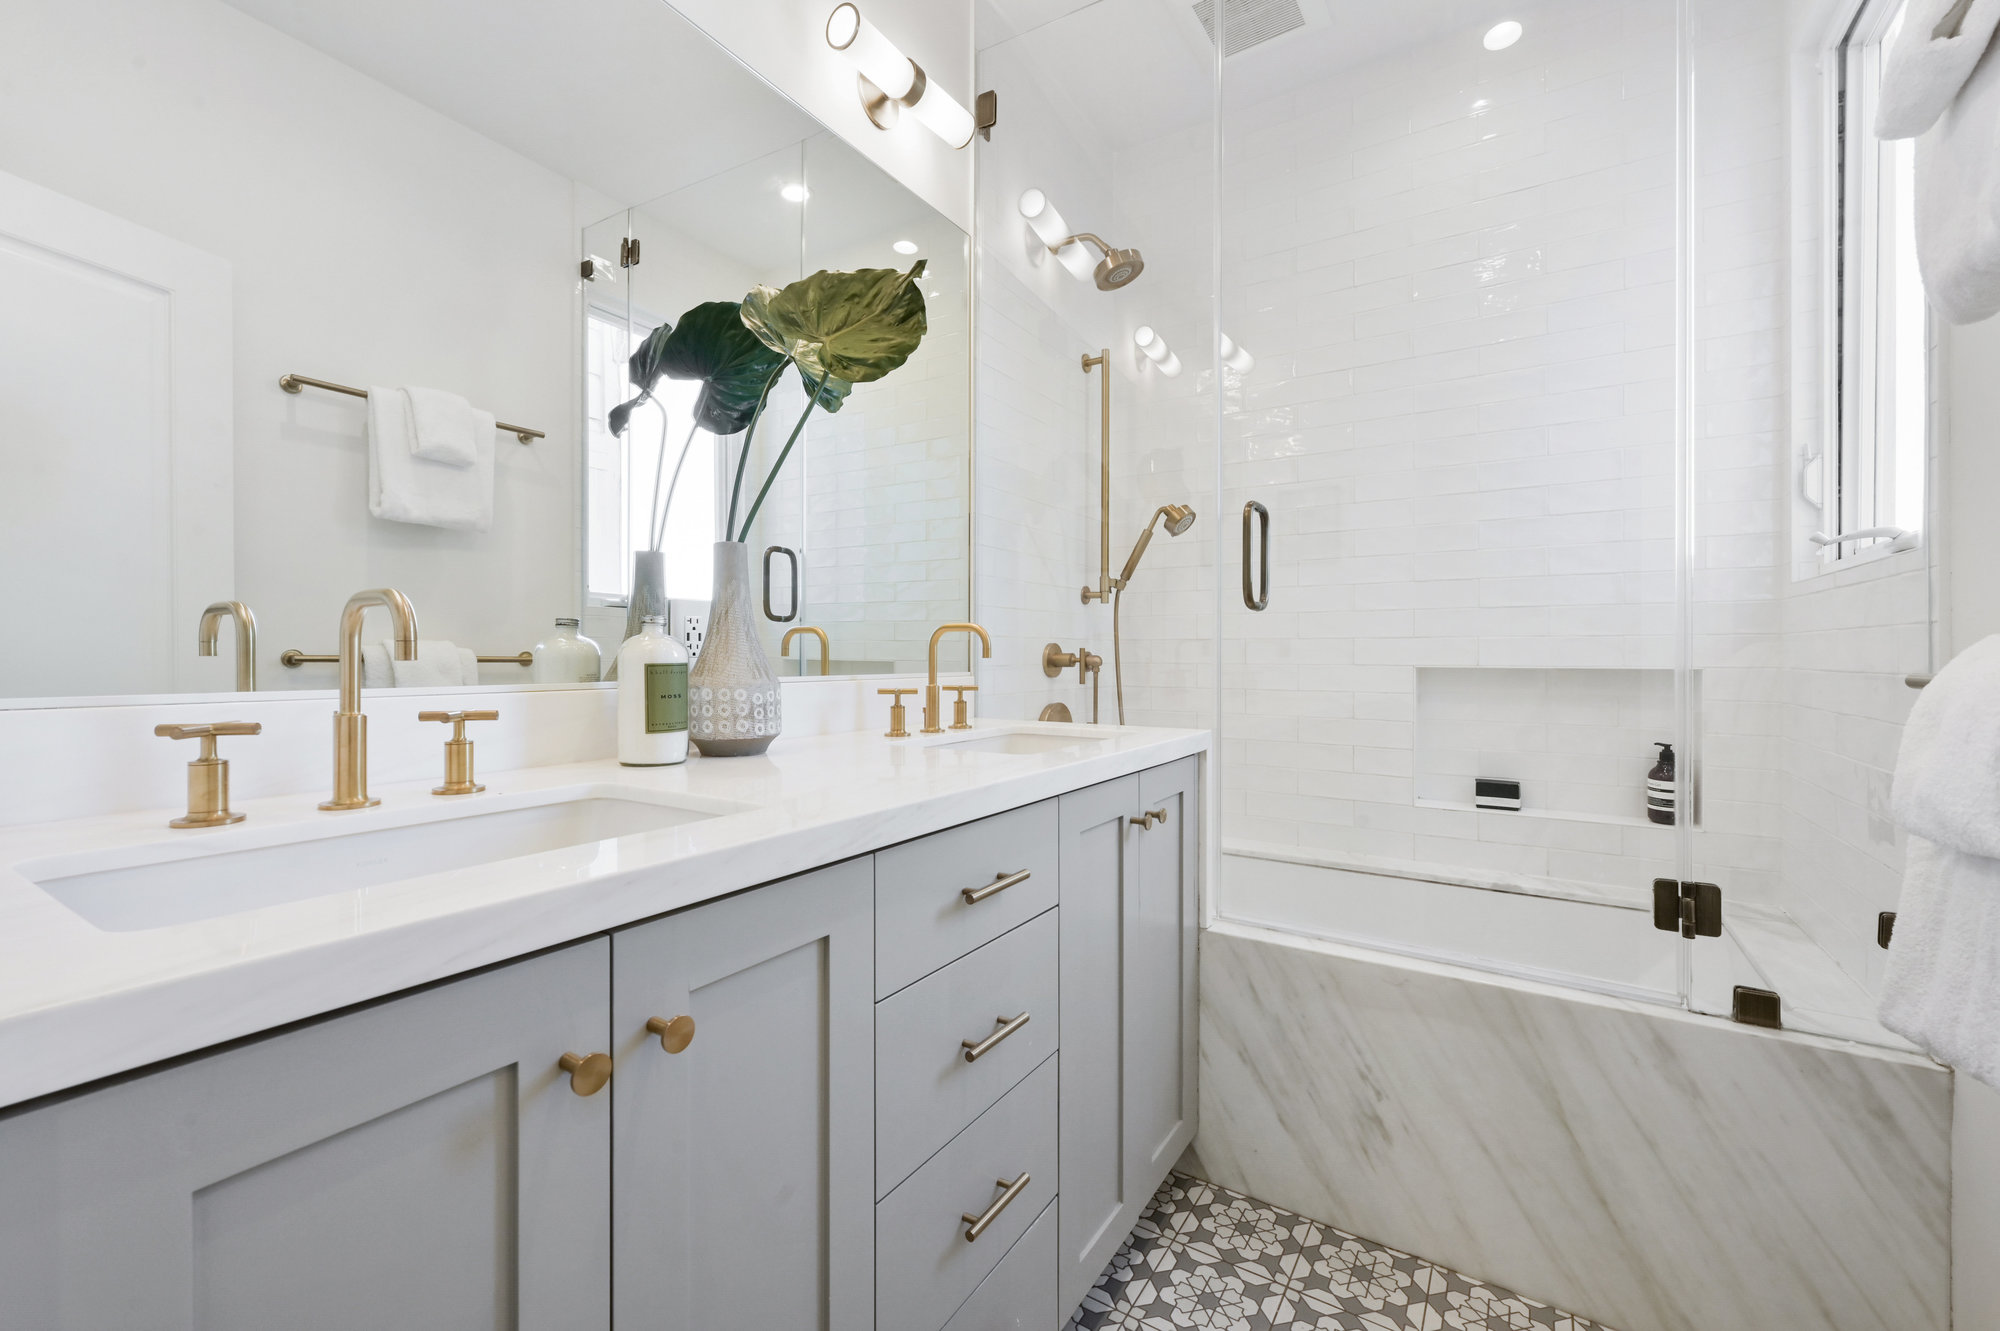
420 1163
743 1180
1127 995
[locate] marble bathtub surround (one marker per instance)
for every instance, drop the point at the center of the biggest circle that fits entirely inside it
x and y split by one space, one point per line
1595 1152
1205 1256
78 1003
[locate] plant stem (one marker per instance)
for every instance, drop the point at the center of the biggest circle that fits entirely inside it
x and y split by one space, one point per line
750 437
812 400
659 533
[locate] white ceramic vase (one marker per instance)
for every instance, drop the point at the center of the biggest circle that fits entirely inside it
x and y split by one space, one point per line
734 700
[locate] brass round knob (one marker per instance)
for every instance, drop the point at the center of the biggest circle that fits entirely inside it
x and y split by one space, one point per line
675 1035
587 1072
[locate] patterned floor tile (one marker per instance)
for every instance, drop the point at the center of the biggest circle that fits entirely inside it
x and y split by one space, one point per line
1205 1257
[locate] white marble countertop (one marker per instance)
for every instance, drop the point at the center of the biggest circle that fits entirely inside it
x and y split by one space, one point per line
78 1002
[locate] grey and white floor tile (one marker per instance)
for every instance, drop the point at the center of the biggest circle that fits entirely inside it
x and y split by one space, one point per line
1205 1257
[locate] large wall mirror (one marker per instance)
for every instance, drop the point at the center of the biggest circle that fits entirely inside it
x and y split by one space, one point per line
200 199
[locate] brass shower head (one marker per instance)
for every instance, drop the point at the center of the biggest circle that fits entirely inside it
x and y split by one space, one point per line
1179 518
1116 269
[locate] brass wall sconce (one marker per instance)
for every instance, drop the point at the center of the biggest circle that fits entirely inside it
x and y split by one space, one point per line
890 83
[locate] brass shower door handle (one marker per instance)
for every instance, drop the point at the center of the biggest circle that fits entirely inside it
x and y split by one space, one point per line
1258 595
793 557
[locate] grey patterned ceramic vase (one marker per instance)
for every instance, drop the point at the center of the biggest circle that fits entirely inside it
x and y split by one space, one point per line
734 703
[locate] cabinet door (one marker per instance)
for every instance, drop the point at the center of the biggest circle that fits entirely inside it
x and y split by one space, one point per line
421 1163
1127 937
743 1186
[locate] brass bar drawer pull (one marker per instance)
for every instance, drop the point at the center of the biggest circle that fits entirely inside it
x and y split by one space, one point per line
1147 820
587 1072
675 1035
978 1049
974 895
975 1225
1253 597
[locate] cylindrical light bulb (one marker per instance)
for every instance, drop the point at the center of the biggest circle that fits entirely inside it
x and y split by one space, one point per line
1051 230
1152 344
1235 357
943 115
1171 366
873 54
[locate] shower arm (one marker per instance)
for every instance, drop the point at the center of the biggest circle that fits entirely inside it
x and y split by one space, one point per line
1101 362
1103 248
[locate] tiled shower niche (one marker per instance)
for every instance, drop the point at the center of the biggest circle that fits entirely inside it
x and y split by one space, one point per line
1580 742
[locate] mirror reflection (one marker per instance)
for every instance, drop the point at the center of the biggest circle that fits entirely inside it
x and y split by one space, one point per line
306 300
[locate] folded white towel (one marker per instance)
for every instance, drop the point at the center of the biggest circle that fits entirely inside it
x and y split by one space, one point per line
438 664
441 424
1941 989
1948 769
1930 61
403 487
1958 200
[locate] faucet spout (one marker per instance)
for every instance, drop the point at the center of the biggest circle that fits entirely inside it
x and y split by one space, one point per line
350 727
933 700
208 640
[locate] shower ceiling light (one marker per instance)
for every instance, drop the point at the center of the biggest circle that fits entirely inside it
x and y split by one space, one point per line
1503 35
1052 231
1235 357
794 193
905 247
1156 350
890 80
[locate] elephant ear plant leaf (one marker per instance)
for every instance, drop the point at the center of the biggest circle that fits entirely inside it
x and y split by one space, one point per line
840 329
710 346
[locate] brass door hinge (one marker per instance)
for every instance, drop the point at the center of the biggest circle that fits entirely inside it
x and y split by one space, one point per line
1694 910
628 252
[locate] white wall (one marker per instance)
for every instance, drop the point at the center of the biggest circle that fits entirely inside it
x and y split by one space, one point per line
785 41
373 241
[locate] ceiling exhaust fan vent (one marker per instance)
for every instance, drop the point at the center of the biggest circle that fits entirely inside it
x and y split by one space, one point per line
1249 23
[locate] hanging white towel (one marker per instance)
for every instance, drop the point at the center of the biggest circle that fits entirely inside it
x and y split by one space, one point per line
438 664
403 487
441 424
1941 989
1958 200
1931 59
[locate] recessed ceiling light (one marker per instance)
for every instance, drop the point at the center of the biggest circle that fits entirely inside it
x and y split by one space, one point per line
795 193
1503 35
905 247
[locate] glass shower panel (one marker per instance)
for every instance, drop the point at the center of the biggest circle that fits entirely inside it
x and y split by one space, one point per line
1448 273
1801 649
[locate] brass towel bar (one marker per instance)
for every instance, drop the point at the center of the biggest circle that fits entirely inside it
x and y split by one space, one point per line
292 383
296 658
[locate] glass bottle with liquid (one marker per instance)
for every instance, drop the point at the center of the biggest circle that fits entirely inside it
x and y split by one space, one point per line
652 697
567 657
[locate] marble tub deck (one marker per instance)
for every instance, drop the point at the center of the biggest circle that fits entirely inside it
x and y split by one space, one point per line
1204 1256
1645 1168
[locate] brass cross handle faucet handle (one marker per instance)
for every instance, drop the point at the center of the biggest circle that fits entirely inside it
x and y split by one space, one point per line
208 775
899 715
959 719
458 778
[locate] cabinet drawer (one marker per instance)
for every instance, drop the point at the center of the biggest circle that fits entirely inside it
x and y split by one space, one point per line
1020 1295
925 1090
922 919
924 1267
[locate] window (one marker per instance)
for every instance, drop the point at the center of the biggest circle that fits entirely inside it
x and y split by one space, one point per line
621 473
1872 496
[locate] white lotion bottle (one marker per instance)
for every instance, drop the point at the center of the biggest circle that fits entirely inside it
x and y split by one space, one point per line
652 697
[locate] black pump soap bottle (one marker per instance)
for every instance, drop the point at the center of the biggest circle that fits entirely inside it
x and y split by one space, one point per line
1660 787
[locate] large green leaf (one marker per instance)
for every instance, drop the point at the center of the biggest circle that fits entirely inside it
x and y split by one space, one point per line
712 345
848 327
643 368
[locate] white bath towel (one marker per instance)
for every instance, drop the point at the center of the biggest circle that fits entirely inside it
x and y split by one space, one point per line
438 663
1930 61
1948 769
441 424
403 487
1941 990
1958 200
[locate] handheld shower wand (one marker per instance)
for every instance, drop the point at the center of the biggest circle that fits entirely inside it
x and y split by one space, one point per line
1179 518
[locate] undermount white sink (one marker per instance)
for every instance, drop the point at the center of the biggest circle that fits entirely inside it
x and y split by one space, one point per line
1024 742
220 875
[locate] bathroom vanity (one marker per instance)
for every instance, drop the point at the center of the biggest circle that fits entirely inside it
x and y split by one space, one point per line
867 1034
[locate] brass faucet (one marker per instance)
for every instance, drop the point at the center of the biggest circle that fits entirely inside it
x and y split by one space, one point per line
825 648
206 640
933 700
350 727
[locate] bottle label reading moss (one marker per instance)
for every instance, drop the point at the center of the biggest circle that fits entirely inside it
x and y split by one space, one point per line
666 698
